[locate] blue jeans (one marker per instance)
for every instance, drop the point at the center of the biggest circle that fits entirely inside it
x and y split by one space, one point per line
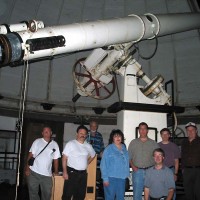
138 183
115 190
173 170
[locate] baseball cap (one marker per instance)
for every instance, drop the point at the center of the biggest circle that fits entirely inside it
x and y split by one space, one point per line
191 124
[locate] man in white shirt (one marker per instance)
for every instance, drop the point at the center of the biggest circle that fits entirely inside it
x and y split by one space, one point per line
40 173
77 154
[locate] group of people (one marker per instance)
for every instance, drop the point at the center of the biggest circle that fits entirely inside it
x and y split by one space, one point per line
149 171
155 166
76 156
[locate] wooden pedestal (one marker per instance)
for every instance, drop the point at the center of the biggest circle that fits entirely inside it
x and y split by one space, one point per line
58 183
57 189
91 180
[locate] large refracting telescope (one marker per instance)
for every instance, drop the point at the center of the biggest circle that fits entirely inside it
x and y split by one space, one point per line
33 41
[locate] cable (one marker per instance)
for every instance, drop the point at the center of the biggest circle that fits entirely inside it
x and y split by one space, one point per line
19 124
175 122
154 52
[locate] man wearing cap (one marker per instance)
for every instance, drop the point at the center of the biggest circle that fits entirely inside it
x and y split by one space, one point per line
190 160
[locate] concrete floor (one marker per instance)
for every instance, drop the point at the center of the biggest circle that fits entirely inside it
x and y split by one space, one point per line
7 192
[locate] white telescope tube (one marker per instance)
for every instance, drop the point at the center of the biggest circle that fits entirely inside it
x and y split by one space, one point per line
91 35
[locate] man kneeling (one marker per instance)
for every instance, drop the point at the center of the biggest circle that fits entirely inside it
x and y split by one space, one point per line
159 179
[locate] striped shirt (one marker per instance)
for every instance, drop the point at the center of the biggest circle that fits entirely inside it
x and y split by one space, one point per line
96 141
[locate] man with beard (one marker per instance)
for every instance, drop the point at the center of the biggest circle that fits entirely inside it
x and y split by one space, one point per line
95 139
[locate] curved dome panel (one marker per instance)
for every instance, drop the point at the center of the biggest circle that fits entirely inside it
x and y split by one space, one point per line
51 82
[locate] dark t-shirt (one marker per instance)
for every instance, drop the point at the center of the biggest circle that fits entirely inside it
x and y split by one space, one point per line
190 152
172 152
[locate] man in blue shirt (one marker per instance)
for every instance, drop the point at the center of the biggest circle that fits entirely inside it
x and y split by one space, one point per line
95 139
